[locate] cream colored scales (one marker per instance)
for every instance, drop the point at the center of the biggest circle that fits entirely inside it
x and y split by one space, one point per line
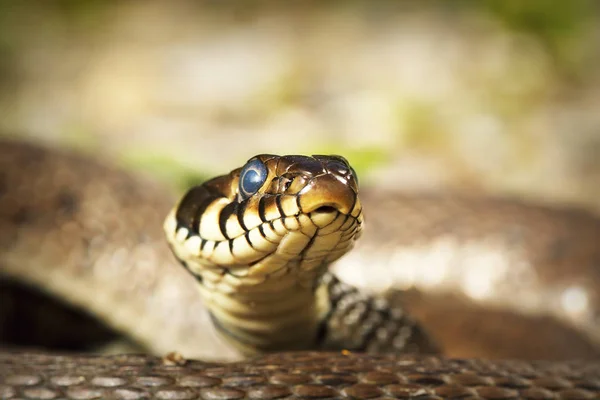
259 239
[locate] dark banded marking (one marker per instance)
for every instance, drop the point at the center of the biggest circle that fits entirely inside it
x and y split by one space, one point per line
231 248
198 277
273 226
369 336
247 236
261 230
240 211
279 207
189 233
286 223
346 303
336 291
358 215
193 205
298 204
270 202
302 254
346 216
227 212
261 209
345 241
355 228
362 314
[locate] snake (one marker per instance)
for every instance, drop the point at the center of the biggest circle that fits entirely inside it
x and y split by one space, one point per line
236 290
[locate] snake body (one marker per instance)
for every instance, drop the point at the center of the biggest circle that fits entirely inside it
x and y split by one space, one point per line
90 234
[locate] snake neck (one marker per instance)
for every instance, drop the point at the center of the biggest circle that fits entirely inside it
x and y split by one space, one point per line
289 316
275 315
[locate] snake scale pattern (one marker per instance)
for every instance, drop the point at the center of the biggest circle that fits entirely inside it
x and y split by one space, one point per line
257 242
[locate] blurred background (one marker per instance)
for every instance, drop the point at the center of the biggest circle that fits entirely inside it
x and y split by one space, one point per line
477 96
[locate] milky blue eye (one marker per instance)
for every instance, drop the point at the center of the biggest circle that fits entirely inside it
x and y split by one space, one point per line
252 177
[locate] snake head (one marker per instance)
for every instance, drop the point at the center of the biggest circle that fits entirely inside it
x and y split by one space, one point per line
274 216
299 184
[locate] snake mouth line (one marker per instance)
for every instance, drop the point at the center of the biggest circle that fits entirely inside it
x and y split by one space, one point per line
325 209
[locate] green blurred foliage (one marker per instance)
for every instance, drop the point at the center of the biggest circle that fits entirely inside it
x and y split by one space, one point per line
165 169
362 159
561 26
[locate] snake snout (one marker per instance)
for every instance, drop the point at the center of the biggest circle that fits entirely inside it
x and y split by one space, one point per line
328 193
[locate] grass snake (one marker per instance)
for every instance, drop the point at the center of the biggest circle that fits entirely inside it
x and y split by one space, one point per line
256 245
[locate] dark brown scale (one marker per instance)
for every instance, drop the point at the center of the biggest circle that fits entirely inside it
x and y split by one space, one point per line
193 205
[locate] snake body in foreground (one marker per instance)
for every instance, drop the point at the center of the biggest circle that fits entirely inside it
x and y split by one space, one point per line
258 242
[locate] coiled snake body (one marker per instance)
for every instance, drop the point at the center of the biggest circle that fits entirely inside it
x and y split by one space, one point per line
258 242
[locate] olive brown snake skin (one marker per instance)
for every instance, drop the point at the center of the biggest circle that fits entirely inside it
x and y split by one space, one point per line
91 235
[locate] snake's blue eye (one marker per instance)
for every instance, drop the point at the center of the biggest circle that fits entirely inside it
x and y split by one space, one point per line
252 177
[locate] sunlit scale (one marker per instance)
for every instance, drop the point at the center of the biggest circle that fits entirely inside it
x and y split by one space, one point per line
209 223
334 226
251 218
233 227
261 237
206 251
